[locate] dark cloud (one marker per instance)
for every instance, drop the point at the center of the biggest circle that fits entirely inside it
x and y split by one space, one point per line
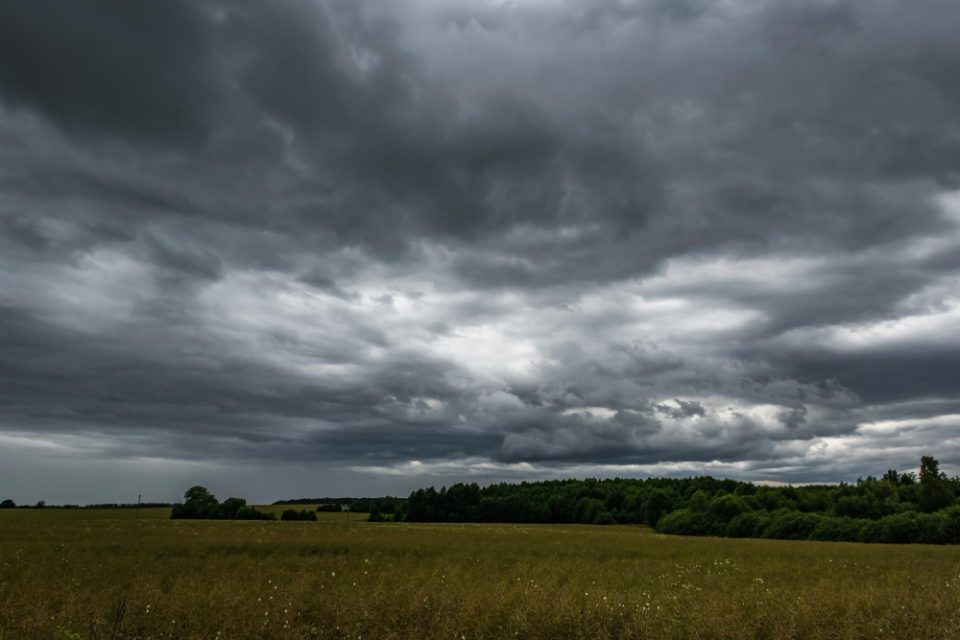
413 242
99 68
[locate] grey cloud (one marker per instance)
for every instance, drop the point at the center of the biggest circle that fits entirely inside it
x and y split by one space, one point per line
97 68
683 409
502 239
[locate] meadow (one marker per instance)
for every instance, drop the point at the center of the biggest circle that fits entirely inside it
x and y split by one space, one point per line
77 574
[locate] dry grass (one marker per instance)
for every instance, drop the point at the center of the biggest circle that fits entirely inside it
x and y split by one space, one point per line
79 578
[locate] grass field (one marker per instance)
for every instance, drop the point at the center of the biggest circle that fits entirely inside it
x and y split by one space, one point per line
68 577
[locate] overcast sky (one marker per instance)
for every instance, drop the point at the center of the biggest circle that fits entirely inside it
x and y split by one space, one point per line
300 249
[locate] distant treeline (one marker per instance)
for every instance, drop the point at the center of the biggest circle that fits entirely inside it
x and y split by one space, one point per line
10 504
200 504
897 507
386 504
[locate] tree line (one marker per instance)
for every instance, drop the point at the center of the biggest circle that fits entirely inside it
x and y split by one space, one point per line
200 504
42 504
386 504
896 507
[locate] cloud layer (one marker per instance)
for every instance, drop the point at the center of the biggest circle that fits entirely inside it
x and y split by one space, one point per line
356 246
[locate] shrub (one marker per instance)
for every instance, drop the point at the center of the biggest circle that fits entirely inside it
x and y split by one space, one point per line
690 523
950 525
657 504
837 529
294 515
727 507
746 525
870 531
603 517
586 510
249 513
899 528
791 525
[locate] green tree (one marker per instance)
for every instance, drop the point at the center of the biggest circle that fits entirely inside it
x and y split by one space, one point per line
231 507
727 507
935 492
198 503
603 517
746 525
699 501
686 522
657 504
8 504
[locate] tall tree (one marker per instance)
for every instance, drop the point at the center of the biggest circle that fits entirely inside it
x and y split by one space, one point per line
935 492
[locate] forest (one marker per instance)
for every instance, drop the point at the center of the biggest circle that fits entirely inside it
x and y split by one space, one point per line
895 507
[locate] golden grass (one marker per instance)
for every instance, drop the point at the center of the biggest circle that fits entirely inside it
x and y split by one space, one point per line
72 578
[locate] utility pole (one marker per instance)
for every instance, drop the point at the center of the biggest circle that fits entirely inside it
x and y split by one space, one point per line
138 506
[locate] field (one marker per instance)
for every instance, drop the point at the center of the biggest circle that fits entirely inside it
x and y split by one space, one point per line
76 574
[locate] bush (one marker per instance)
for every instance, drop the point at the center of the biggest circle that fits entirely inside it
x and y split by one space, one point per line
727 507
249 513
586 510
657 504
294 515
950 525
231 507
200 504
870 531
685 522
838 529
746 525
899 528
791 525
604 517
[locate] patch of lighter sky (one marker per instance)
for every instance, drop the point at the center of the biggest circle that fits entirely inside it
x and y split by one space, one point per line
938 328
949 203
705 273
601 413
31 441
485 468
94 295
285 323
949 423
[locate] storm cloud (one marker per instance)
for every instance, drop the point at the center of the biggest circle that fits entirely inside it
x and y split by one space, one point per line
310 248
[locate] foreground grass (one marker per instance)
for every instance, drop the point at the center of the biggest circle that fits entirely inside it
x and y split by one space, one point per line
74 578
